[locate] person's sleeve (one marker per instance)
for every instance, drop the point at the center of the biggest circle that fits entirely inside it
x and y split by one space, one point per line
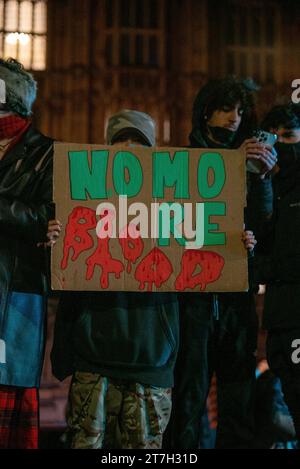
29 221
259 218
259 205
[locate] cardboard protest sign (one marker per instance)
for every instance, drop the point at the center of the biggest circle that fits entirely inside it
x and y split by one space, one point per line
149 219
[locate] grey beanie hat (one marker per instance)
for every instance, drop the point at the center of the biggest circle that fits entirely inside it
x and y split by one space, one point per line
128 119
19 85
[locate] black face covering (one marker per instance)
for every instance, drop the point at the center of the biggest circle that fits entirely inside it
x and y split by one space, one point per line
222 135
288 155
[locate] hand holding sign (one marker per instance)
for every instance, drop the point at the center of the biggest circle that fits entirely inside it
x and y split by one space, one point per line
148 219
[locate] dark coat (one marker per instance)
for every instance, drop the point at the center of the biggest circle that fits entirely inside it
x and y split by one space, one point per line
279 262
25 208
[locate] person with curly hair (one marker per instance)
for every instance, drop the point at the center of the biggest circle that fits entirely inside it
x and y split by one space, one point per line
218 331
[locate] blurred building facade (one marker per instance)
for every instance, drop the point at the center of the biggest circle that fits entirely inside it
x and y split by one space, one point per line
154 55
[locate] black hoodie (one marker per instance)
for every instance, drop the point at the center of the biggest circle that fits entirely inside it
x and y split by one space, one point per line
280 265
124 335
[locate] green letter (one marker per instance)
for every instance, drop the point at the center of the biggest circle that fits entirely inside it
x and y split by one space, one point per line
167 224
167 172
86 181
213 239
123 160
213 161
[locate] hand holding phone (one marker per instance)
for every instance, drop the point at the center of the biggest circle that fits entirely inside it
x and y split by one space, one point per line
261 156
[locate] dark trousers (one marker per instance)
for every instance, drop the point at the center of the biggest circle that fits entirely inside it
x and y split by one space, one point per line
282 358
227 347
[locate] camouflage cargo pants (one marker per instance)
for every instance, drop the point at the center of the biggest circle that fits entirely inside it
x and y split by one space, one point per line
109 413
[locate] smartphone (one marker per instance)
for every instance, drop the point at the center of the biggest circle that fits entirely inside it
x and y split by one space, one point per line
255 166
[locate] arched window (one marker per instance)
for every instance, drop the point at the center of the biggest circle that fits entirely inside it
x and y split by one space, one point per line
23 27
133 33
249 40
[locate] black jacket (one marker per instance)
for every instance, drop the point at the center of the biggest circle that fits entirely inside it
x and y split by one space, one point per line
259 206
259 191
125 335
25 207
279 262
281 242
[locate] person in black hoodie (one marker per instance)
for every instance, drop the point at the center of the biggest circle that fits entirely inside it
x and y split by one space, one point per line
218 332
120 347
279 259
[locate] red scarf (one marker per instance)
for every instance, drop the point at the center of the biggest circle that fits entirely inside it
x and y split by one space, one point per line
12 126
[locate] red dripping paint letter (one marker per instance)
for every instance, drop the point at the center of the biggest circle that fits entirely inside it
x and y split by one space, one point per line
132 247
211 265
77 237
102 257
154 268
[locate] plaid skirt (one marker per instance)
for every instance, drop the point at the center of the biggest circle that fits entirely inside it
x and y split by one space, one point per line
19 417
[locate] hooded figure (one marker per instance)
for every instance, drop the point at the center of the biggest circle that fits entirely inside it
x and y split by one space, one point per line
218 332
128 122
120 348
223 94
25 208
279 259
20 87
